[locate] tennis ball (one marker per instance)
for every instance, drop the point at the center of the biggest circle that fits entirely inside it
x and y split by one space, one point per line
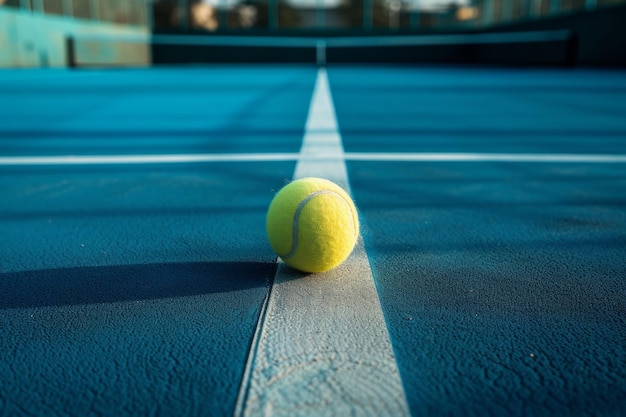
312 224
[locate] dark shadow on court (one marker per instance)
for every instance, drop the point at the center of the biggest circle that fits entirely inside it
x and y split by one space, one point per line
108 284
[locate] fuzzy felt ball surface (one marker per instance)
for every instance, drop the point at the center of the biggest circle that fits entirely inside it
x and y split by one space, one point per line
312 224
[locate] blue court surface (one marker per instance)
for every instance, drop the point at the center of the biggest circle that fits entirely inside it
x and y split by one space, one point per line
136 277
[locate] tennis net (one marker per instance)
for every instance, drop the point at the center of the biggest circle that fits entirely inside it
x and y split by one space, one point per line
555 47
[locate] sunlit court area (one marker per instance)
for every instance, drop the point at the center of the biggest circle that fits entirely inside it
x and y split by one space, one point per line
313 208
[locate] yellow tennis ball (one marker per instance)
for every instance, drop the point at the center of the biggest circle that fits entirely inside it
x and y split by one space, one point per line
312 224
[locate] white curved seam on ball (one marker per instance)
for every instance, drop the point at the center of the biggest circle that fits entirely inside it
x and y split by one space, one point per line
296 219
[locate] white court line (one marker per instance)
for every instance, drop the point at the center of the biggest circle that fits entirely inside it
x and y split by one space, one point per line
315 152
145 159
485 157
321 347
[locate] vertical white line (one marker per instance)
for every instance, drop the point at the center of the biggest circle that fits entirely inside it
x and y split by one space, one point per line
321 154
323 348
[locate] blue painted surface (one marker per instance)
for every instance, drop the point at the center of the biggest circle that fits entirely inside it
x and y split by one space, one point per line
131 291
203 110
503 284
135 290
480 110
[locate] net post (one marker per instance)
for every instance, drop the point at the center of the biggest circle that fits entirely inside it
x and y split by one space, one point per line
70 52
320 53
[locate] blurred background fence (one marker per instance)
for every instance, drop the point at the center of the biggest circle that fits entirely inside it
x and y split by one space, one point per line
122 12
36 32
240 15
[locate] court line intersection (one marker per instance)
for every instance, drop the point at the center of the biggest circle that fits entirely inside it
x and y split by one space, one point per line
322 347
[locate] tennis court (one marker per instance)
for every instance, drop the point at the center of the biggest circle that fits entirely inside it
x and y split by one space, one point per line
489 278
492 208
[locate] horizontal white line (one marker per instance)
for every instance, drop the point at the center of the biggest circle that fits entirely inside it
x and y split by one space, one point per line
485 157
145 159
271 157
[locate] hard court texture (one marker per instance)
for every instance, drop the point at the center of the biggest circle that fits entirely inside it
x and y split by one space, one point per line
480 285
503 284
